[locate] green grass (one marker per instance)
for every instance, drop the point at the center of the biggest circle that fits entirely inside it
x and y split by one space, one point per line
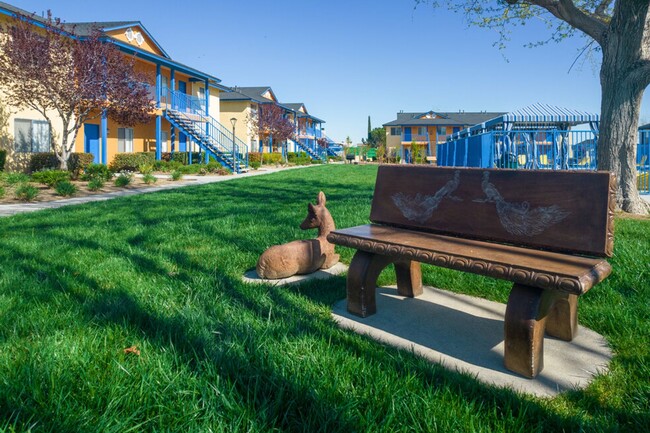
162 272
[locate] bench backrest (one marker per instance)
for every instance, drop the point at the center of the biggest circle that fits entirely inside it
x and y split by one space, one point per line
566 211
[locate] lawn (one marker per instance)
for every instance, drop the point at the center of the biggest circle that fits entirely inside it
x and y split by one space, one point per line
161 272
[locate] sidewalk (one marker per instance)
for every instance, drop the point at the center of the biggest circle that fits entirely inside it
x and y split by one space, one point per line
13 209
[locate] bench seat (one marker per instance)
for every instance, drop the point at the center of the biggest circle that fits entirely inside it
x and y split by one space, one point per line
537 268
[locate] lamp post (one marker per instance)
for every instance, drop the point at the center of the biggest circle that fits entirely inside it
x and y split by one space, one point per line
233 122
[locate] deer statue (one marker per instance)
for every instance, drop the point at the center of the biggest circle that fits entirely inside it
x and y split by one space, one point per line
303 256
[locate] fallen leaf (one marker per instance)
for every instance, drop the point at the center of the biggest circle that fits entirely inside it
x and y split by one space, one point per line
132 349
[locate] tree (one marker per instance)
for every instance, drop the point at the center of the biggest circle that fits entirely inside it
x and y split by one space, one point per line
269 121
70 78
376 138
369 129
621 31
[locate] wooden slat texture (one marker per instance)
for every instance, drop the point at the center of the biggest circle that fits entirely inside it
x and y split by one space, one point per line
565 211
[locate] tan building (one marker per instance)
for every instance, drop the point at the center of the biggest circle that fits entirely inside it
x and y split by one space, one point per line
428 129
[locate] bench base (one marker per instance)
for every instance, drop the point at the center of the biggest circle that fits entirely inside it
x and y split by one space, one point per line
531 312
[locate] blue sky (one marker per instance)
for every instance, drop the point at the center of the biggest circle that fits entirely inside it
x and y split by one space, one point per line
350 59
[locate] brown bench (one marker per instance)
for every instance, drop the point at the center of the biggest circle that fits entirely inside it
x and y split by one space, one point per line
545 231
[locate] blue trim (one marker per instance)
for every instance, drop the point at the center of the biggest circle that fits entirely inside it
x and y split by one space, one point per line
172 80
158 138
206 92
158 85
104 132
146 32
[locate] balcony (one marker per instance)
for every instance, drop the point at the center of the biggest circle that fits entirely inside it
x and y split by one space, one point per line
408 138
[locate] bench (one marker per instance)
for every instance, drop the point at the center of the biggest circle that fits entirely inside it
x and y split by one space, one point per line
548 232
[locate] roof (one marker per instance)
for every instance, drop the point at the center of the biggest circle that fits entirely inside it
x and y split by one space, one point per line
442 118
644 127
85 29
295 106
540 113
247 94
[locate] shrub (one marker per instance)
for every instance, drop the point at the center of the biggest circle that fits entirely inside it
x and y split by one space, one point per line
182 157
149 178
123 179
77 162
95 184
223 171
16 178
26 192
65 188
176 175
254 157
146 168
97 171
271 158
2 191
3 159
51 177
131 161
214 167
254 164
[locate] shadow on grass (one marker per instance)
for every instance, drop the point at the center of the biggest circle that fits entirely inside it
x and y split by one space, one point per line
187 229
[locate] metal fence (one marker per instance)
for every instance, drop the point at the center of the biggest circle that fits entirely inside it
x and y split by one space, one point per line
534 150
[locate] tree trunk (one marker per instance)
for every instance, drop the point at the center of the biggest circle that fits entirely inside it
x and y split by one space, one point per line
618 136
624 75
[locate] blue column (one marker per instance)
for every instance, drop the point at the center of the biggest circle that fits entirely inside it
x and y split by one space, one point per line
172 84
104 128
158 137
158 85
172 139
207 98
270 144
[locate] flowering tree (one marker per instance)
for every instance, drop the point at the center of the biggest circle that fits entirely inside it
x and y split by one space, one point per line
269 122
63 76
620 30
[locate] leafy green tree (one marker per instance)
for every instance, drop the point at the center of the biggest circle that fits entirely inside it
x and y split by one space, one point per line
376 138
620 29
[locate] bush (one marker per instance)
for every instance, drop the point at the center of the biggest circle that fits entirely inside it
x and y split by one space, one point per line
298 158
95 184
2 191
26 192
3 159
97 171
223 171
254 164
131 161
149 178
146 168
271 158
254 157
16 178
77 162
176 175
65 188
124 179
51 177
182 157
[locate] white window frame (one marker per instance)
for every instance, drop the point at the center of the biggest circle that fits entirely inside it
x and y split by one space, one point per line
38 139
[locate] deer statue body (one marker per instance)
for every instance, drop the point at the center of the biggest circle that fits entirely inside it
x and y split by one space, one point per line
303 256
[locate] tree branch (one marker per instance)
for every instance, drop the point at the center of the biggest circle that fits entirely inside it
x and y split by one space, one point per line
602 8
567 11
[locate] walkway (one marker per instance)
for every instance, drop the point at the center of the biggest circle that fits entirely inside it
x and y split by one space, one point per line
12 209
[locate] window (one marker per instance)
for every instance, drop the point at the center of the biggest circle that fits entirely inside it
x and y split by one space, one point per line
442 130
422 130
163 142
32 135
164 83
124 140
395 131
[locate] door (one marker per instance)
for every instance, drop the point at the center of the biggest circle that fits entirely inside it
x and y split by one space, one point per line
407 134
182 100
91 141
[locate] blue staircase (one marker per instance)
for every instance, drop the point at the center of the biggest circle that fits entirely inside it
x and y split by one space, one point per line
186 113
314 152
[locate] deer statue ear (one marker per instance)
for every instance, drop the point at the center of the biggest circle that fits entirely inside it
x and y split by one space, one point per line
321 199
310 208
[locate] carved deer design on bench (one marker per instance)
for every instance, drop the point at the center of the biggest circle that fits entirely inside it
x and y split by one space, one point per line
302 256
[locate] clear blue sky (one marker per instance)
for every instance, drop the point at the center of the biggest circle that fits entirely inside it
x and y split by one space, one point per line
348 59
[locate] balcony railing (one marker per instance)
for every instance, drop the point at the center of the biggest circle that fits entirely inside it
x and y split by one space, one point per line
418 138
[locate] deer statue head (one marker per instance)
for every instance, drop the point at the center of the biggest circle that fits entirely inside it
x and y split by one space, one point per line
318 217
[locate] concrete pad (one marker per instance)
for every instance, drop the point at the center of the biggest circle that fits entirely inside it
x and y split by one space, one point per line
339 268
464 333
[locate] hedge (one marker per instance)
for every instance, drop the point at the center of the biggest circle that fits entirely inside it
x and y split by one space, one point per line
131 161
3 159
183 157
77 162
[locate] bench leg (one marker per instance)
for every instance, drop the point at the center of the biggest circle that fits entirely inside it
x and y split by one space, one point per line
562 320
409 278
525 322
362 281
